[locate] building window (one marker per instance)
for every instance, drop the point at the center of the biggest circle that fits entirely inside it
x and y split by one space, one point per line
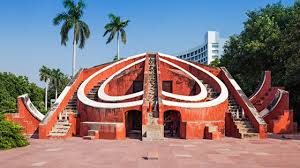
167 86
215 56
188 55
137 86
215 45
215 51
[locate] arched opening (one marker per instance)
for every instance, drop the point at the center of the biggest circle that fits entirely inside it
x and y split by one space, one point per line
133 124
172 120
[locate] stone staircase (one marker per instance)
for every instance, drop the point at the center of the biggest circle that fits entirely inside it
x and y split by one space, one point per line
93 94
72 104
153 131
242 123
211 93
61 127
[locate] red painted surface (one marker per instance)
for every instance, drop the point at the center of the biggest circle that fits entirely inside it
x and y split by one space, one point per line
194 122
280 119
231 129
264 88
262 129
45 128
106 131
24 118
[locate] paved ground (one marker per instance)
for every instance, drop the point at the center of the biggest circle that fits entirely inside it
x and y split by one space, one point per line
229 152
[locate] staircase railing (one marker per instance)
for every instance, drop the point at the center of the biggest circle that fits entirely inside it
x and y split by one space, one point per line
242 100
52 116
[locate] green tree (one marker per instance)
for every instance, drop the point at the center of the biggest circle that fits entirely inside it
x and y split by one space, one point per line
116 26
269 41
215 63
12 86
57 80
45 75
72 20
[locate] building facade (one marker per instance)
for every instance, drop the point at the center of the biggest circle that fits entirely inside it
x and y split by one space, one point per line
211 49
154 96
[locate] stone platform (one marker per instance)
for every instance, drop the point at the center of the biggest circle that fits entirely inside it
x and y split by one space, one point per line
275 152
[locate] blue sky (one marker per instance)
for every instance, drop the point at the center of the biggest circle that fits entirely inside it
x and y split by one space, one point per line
29 40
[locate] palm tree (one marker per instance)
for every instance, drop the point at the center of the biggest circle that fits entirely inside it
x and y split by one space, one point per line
45 76
56 79
116 25
72 19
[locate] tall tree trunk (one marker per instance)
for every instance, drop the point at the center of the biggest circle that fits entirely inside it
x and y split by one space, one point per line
118 47
55 94
74 54
46 96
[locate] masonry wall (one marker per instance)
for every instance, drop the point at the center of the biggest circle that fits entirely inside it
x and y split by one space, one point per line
193 120
24 118
123 83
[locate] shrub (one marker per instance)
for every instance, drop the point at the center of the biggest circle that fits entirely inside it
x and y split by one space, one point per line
11 135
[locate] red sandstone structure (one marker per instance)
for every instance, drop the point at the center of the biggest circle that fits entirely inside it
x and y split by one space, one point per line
152 96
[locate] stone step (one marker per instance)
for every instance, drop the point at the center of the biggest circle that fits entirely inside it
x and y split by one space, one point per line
89 137
63 123
57 134
57 127
62 132
247 130
250 135
242 126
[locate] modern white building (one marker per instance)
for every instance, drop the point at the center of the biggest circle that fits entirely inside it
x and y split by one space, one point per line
211 48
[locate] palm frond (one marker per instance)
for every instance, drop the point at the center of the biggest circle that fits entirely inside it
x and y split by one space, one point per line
64 32
60 17
109 26
82 39
123 36
69 4
125 23
85 28
81 4
112 16
111 37
105 33
45 73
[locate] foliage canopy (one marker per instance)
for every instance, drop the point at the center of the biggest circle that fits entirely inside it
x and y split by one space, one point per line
270 41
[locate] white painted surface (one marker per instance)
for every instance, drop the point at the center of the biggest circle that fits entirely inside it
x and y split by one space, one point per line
62 95
31 108
266 111
202 95
264 80
85 100
235 85
221 98
102 95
